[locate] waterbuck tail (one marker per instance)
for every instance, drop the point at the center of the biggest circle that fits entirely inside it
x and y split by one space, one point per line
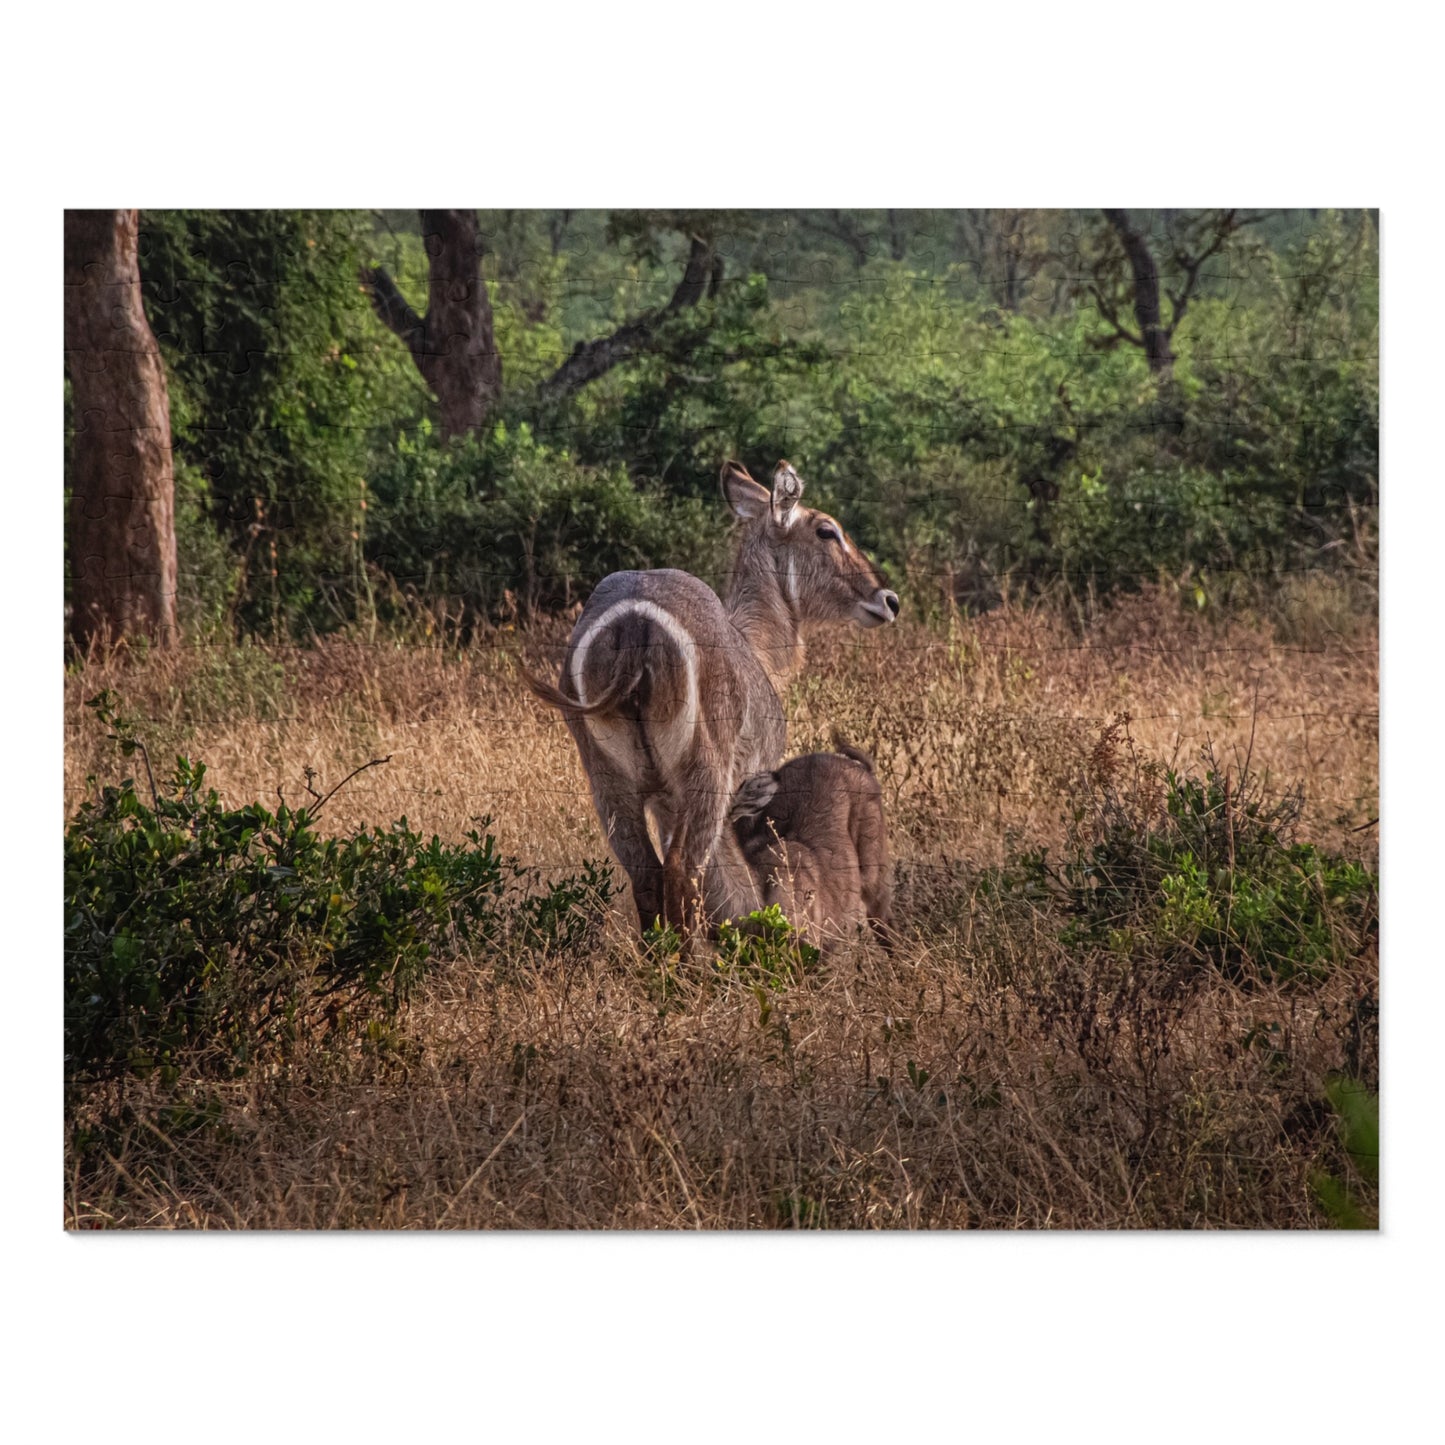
842 745
605 703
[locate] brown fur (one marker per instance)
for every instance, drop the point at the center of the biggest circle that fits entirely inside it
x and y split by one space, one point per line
814 836
681 691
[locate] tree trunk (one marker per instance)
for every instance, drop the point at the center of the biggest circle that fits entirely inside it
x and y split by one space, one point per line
898 247
557 228
453 345
1011 277
1147 309
122 506
466 371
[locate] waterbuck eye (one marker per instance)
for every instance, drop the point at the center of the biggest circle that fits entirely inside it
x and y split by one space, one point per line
829 534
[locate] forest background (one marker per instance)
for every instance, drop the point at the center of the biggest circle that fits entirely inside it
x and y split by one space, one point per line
1000 404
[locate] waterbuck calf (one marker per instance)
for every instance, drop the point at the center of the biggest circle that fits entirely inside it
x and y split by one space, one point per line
813 834
672 695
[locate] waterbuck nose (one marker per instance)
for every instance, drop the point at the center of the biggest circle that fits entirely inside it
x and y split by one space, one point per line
890 601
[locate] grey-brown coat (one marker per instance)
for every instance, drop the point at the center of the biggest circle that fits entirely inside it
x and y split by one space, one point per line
672 695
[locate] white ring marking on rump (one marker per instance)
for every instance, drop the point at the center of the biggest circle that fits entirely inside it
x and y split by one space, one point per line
674 738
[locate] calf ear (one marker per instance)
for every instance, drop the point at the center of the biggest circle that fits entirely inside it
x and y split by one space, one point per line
787 493
753 796
748 500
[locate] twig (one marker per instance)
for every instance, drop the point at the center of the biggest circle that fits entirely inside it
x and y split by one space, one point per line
1229 833
1253 719
150 776
471 1178
374 763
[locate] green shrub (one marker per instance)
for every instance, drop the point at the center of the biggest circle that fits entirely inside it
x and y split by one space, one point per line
503 525
763 949
1159 521
722 379
1350 1198
227 933
1171 866
281 384
209 574
976 451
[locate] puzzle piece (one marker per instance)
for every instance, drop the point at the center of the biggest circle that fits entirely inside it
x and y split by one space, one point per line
1117 472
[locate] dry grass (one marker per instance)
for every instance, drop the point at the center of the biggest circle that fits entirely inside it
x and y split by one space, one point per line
982 1076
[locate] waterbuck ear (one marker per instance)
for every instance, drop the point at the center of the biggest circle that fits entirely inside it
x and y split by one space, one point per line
753 796
747 499
787 492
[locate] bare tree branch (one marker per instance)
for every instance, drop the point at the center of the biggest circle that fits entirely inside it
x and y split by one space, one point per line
1006 250
693 286
840 228
1110 314
591 359
897 242
1224 227
557 229
393 310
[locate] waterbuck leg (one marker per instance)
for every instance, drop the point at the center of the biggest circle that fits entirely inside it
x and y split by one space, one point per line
627 834
689 853
681 903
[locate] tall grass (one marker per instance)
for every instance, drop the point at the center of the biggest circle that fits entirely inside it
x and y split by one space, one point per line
1002 1067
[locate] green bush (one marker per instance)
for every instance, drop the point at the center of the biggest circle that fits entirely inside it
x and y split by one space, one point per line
975 450
1164 865
227 933
503 525
1350 1197
764 950
1161 522
722 379
209 574
282 384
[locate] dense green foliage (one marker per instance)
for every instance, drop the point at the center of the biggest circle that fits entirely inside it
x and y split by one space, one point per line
764 950
1170 869
502 524
1350 1197
230 932
280 392
945 381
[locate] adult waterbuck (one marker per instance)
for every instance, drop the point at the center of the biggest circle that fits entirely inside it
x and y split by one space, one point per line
672 696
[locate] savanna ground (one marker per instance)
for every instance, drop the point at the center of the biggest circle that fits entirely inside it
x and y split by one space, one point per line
989 1073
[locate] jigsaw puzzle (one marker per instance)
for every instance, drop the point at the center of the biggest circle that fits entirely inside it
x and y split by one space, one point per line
832 719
